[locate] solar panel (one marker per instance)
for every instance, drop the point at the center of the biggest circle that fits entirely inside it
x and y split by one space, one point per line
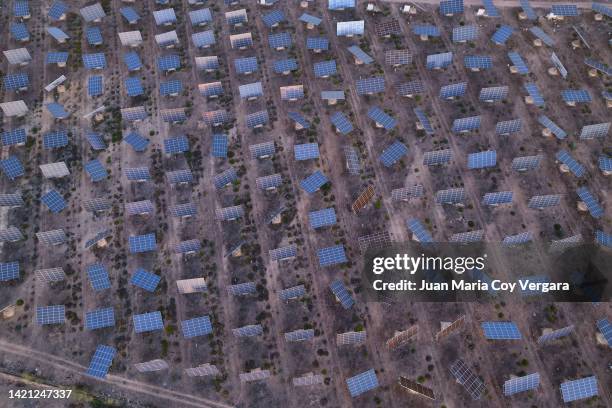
57 110
143 207
341 122
54 170
145 280
95 170
269 182
353 163
57 11
317 43
482 160
451 7
465 33
340 4
464 376
308 379
248 331
169 62
299 335
517 61
54 201
407 193
508 127
164 17
421 233
203 39
545 38
153 365
521 384
219 145
50 274
579 389
451 196
598 130
10 234
14 137
602 9
174 145
273 18
101 361
576 168
202 371
14 82
398 57
14 108
341 294
310 19
518 239
129 14
576 96
293 292
142 243
262 150
241 41
216 118
95 12
363 199
350 28
564 10
331 255
241 289
453 90
591 202
314 182
426 30
20 31
229 213
286 252
416 388
381 118
501 197
95 85
285 65
555 334
236 17
56 139
490 9
322 218
494 93
200 17
171 87
134 114
299 120
467 237
501 331
528 10
370 86
99 318
188 247
543 201
462 125
605 328
324 69
535 94
565 243
18 56
175 115
94 61
225 178
11 199
439 61
134 38
478 62
98 277
502 34
195 285
21 9
183 210
12 167
352 337
138 143
279 40
50 314
393 153
9 271
132 61
94 36
361 383
255 375
199 326
410 88
246 65
603 238
292 92
147 322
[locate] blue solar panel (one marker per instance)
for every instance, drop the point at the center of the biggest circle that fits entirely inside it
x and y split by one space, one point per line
94 61
360 55
546 39
101 361
426 29
501 197
341 122
309 19
199 326
219 145
605 328
502 34
95 85
322 218
605 163
14 137
132 61
245 65
603 238
508 127
465 33
200 17
317 43
96 171
576 168
501 331
482 160
576 95
591 202
9 271
54 201
451 196
518 62
451 7
56 57
453 90
535 94
165 16
381 118
602 9
340 4
50 314
95 140
147 322
424 121
169 62
20 31
57 110
12 167
531 15
342 294
521 384
393 153
371 85
98 277
56 139
579 389
137 173
257 119
137 142
279 40
94 36
331 255
314 182
285 65
490 8
466 124
129 14
99 318
273 18
203 39
145 280
478 62
361 383
324 69
438 61
552 126
564 10
494 93
179 144
13 82
142 243
298 119
57 10
171 87
422 234
306 151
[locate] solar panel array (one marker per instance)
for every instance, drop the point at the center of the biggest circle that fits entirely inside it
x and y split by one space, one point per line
576 168
579 389
100 318
147 322
501 331
9 271
342 294
522 384
591 202
50 314
466 377
393 153
555 335
361 383
199 326
101 361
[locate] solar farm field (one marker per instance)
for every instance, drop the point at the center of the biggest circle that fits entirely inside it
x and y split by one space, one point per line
188 188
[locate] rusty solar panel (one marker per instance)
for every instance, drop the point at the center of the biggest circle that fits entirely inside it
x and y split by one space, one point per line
403 337
454 326
364 198
415 387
